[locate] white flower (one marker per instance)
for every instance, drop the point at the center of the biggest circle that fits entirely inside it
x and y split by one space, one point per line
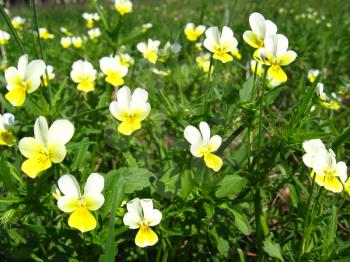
131 110
320 91
312 74
146 27
4 37
18 22
7 122
44 34
312 147
48 75
193 32
113 70
66 42
141 214
123 6
94 33
77 41
90 17
84 74
222 44
125 59
79 204
261 28
149 50
23 79
202 145
46 147
160 72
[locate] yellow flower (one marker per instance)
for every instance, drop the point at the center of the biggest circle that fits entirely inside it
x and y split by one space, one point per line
202 145
66 42
44 34
48 75
94 33
18 22
90 18
80 205
222 44
113 70
23 79
4 37
193 32
7 122
125 59
46 147
276 54
237 54
131 110
65 31
312 74
77 41
142 215
84 75
123 6
149 50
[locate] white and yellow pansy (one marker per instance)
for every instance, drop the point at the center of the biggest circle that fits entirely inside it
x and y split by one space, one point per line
130 109
149 50
44 34
203 62
113 70
275 54
261 28
193 32
123 6
202 145
90 18
84 74
65 31
125 59
220 44
4 37
324 99
7 122
23 80
327 172
80 205
259 68
141 215
77 41
145 27
94 33
312 74
46 147
66 41
18 22
48 75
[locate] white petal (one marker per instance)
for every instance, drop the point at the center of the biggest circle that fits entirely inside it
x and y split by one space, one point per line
192 135
195 149
282 45
271 44
69 186
313 146
124 97
93 201
257 24
322 162
141 47
271 28
8 120
213 38
61 131
12 76
228 40
341 171
67 203
214 143
41 130
94 184
139 94
35 69
22 65
134 215
205 131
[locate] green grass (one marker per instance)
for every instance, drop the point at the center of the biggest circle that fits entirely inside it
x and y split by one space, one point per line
254 208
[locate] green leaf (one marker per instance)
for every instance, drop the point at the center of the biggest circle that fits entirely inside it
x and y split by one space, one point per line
241 222
186 183
247 93
230 186
273 249
136 179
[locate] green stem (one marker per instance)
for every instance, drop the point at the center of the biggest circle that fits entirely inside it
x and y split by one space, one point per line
12 29
89 112
207 91
229 140
257 214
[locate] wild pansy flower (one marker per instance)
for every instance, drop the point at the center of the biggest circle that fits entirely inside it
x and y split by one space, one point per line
23 79
94 33
235 53
259 68
324 100
84 74
66 41
312 74
131 110
142 215
44 34
65 31
149 50
123 6
193 32
160 72
113 70
90 18
7 122
46 147
220 44
80 205
48 75
18 22
77 41
125 59
203 62
202 145
261 28
146 27
4 37
275 54
327 171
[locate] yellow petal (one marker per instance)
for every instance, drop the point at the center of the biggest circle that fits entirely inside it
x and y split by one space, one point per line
332 183
151 56
146 237
33 166
213 161
57 152
128 127
86 86
277 73
82 220
16 96
7 138
114 79
252 39
223 57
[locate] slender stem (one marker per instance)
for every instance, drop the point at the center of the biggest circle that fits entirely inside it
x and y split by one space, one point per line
207 91
229 140
12 29
257 214
89 112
